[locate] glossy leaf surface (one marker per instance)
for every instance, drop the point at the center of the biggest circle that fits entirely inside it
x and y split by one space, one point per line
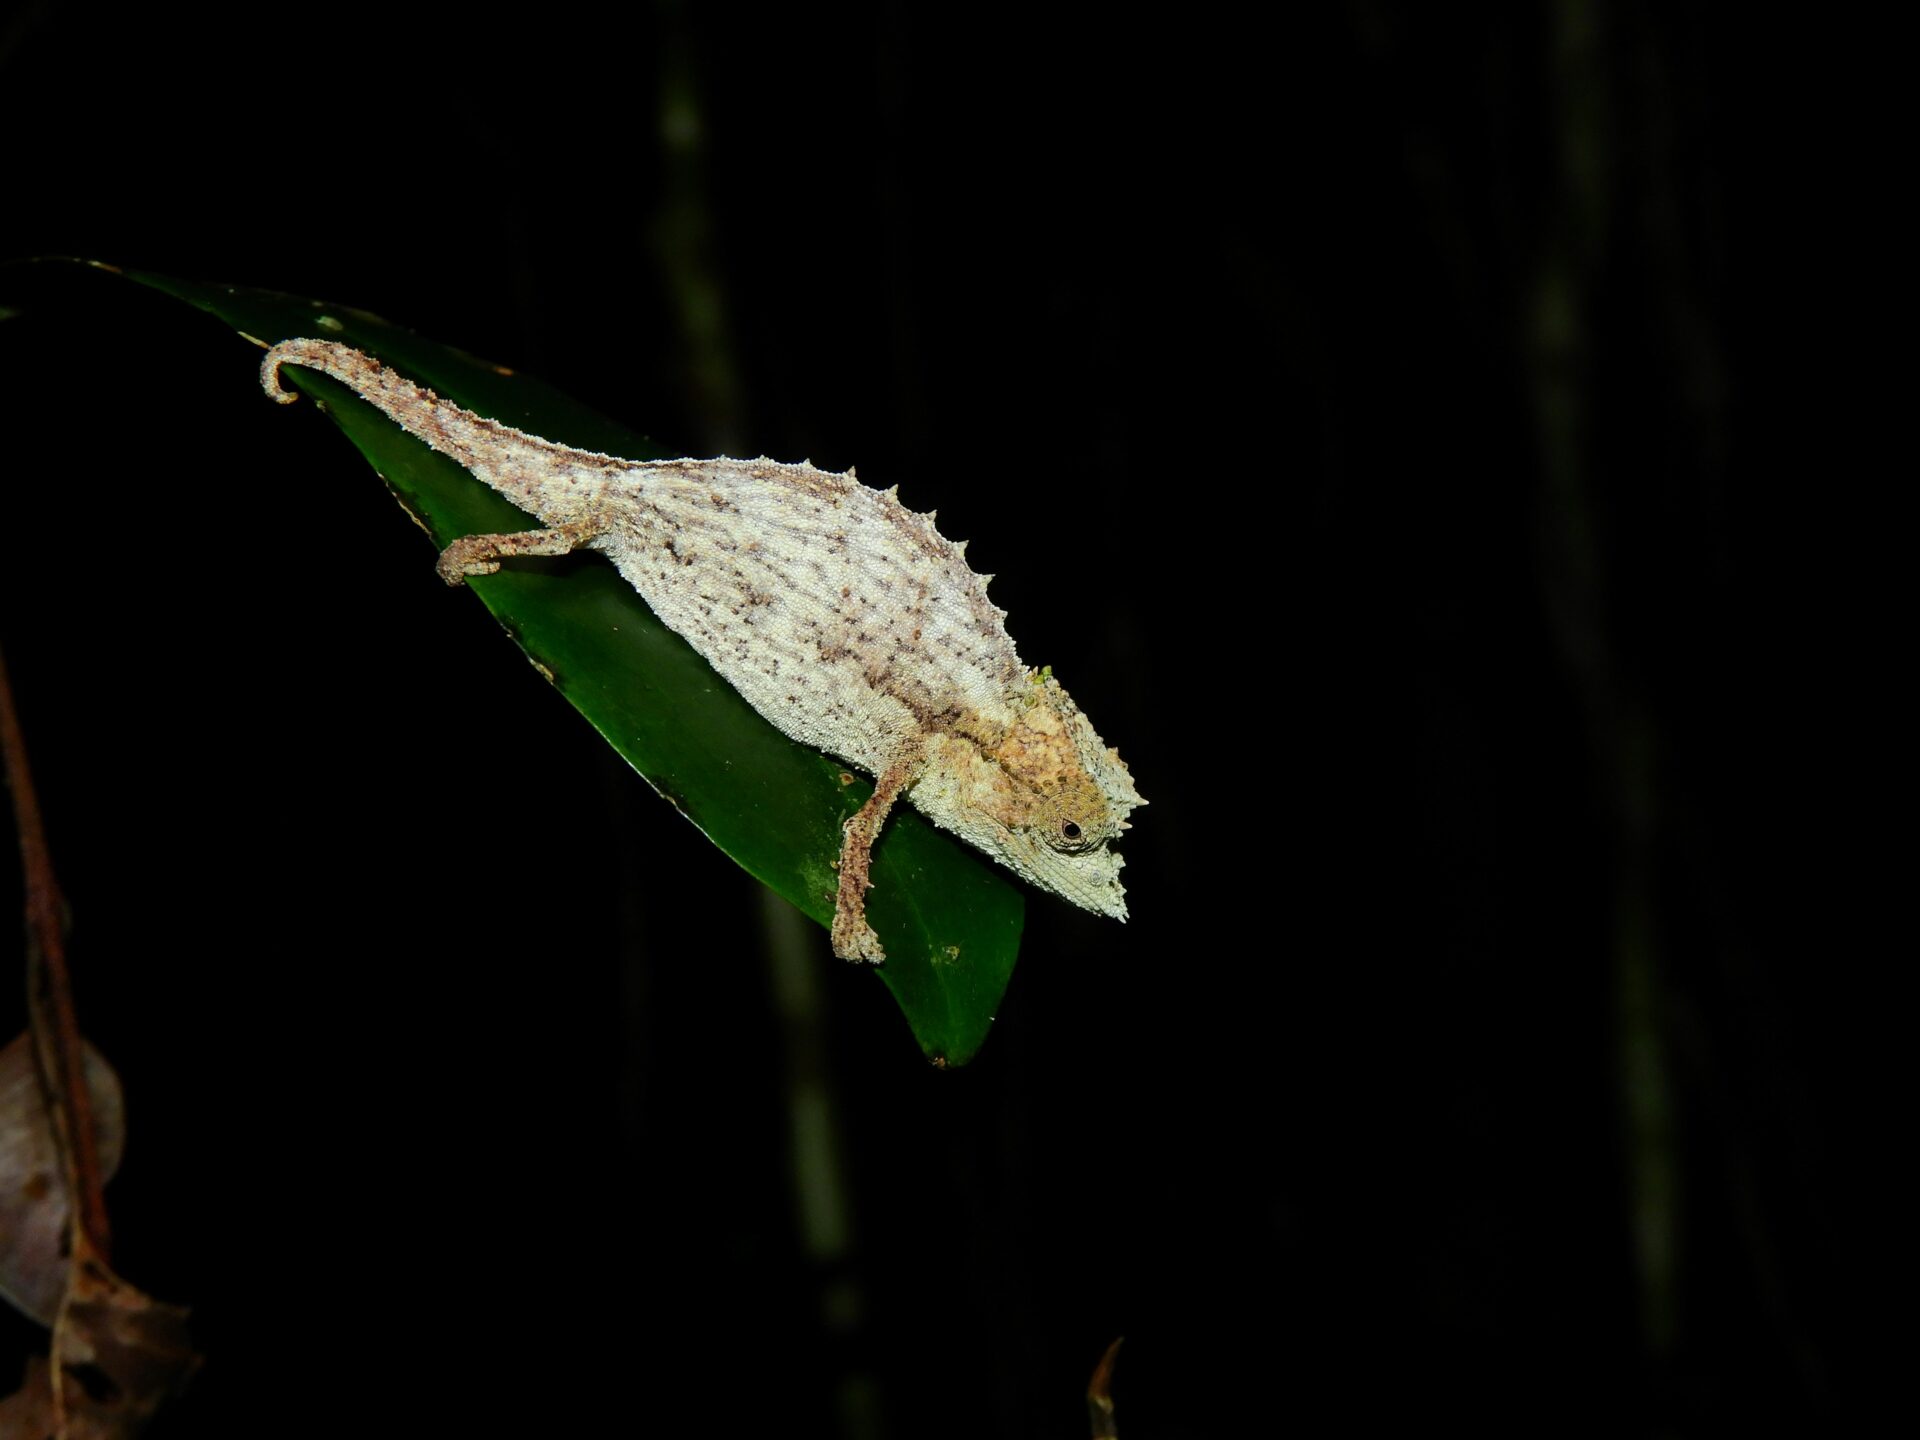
949 919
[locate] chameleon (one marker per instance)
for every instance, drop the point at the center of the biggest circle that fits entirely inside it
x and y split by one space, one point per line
846 620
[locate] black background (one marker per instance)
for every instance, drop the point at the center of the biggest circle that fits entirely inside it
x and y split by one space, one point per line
1394 427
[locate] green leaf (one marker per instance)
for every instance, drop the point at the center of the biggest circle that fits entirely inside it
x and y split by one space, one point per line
949 919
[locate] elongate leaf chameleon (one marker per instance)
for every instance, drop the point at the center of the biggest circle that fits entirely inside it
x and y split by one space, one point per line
844 618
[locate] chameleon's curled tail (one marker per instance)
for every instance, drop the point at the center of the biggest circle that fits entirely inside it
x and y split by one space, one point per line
329 357
270 372
522 467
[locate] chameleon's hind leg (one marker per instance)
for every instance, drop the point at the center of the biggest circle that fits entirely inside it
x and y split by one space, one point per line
482 554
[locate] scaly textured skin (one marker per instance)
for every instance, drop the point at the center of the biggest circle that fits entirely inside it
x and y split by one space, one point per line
844 618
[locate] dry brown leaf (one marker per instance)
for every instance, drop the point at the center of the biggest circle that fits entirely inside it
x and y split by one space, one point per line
122 1352
33 1193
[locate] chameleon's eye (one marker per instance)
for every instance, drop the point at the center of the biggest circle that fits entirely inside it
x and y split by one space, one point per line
1069 837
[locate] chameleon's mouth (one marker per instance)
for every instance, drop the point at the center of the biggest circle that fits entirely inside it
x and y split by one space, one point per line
1089 878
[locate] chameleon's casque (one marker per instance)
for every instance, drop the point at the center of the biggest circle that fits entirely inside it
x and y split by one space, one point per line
845 619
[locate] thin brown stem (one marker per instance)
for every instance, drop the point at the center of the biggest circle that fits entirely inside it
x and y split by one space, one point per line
59 1055
1100 1395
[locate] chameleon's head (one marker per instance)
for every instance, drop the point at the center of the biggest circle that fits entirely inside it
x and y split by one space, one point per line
1049 801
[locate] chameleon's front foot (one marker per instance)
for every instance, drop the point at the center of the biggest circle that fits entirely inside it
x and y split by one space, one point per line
853 938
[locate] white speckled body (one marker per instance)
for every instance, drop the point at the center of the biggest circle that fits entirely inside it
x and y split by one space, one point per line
840 616
846 620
